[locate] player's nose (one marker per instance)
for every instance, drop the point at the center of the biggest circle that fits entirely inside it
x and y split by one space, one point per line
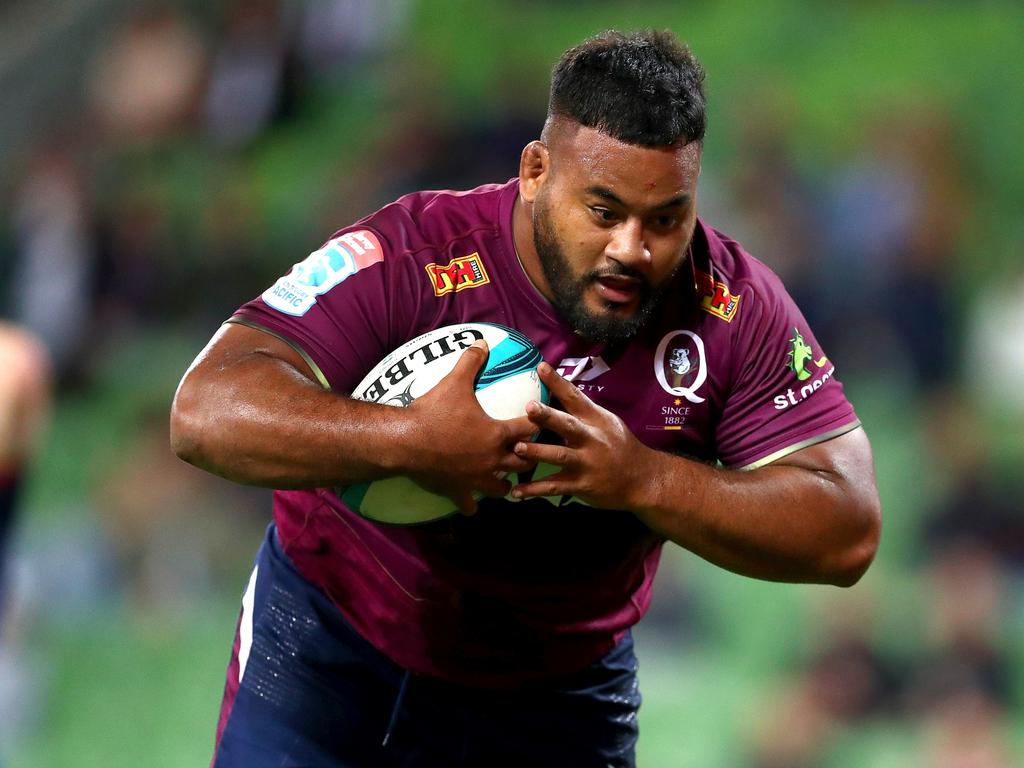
626 245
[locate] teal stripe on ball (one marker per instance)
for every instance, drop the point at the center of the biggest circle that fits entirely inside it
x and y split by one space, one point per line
510 356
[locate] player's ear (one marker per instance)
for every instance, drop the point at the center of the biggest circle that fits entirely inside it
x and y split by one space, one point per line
534 166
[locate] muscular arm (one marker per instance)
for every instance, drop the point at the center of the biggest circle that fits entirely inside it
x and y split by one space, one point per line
812 516
250 410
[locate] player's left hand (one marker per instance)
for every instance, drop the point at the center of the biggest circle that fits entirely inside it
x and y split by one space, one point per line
602 462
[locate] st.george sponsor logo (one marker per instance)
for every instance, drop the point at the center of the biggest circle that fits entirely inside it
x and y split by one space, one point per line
799 360
407 366
583 370
715 298
458 274
323 269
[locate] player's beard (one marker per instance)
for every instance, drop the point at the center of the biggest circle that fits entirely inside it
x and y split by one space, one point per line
568 289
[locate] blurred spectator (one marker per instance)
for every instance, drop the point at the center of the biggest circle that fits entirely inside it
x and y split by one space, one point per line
147 83
25 388
337 35
963 649
897 220
968 731
961 688
24 404
247 85
139 260
177 533
774 209
978 507
484 145
427 143
843 682
403 150
793 731
54 263
995 344
850 680
25 393
231 232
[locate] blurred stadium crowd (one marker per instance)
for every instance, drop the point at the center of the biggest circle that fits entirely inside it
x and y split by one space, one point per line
213 147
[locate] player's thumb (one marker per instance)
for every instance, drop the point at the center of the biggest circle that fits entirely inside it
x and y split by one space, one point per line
472 360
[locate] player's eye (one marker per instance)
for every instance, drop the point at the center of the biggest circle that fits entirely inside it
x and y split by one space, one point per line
603 214
664 222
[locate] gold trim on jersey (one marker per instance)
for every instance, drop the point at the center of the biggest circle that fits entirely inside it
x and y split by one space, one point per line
802 444
313 367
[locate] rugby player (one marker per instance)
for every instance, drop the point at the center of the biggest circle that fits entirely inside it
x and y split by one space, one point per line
25 383
693 405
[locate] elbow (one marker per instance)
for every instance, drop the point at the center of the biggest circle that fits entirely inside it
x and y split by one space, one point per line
856 556
183 442
858 560
186 425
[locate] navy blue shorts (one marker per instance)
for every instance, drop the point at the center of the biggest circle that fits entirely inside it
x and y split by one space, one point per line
314 693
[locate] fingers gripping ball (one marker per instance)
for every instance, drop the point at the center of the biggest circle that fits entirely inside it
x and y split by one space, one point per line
507 382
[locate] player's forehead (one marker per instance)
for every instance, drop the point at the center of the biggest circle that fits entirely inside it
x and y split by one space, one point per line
586 159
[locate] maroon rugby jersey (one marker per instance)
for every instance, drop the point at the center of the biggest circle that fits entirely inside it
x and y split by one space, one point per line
728 371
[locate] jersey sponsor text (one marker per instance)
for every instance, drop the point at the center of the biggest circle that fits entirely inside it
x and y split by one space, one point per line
792 397
427 353
716 299
458 274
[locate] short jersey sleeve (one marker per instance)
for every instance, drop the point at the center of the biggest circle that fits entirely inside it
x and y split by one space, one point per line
341 307
783 395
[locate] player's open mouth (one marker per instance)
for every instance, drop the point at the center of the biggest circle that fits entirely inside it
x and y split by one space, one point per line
619 290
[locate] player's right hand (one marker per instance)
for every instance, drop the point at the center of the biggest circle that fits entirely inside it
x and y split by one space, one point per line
453 448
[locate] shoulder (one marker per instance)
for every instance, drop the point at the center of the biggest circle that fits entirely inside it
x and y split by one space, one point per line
730 281
432 221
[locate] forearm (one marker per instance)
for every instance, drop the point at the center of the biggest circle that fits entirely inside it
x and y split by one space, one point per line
813 516
268 424
249 410
779 522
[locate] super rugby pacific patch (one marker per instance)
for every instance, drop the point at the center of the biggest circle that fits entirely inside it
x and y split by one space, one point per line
340 258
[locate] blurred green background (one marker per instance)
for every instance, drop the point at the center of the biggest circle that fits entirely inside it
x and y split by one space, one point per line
163 164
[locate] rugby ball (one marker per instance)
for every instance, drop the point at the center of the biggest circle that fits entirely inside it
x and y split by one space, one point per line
507 382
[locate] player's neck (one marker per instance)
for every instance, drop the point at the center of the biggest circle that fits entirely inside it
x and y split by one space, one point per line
526 251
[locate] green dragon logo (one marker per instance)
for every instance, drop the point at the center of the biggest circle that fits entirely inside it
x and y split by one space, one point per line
800 354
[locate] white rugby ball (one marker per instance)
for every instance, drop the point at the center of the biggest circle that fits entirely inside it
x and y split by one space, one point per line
506 384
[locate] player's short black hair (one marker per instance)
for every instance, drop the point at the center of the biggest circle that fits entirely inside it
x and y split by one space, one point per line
642 88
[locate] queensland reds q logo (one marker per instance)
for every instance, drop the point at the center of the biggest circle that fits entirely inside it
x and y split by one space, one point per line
680 365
